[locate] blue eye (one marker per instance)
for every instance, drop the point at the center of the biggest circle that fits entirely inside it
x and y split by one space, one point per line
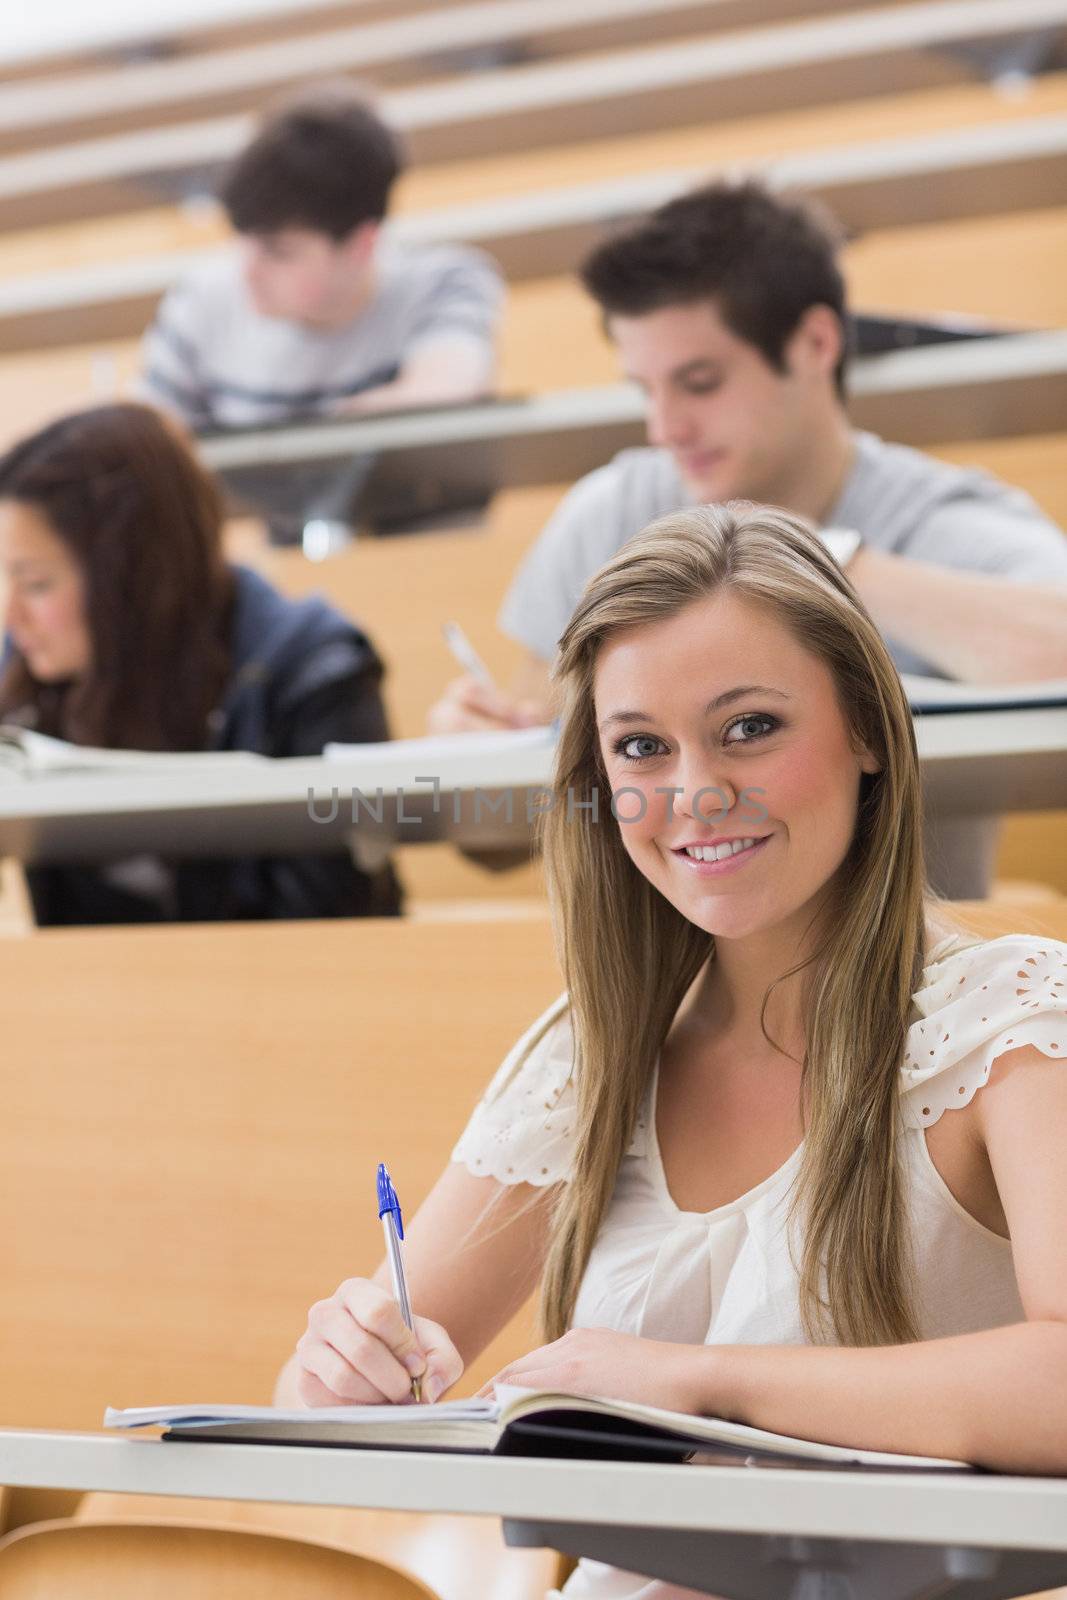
751 717
622 748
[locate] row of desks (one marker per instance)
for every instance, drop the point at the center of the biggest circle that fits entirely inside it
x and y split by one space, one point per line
457 456
444 40
885 50
973 764
961 172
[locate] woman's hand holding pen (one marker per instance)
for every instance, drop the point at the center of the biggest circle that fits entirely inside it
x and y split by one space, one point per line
358 1351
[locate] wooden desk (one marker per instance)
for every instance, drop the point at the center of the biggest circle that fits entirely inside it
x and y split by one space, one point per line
1009 385
754 1534
972 763
192 1123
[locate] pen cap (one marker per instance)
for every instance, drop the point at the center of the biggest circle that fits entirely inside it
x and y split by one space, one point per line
387 1200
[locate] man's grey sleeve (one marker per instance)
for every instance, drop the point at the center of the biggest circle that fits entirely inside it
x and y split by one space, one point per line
574 542
171 359
1013 539
465 302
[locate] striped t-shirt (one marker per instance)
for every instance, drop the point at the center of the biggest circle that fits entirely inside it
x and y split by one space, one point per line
214 359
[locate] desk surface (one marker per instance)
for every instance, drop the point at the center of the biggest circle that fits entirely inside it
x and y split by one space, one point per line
426 43
568 431
973 764
755 1534
985 1510
37 33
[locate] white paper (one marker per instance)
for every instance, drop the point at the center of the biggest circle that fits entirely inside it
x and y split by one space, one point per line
27 754
209 1415
437 747
923 692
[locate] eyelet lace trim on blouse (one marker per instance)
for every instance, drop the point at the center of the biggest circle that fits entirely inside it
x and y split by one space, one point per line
976 1004
521 1129
982 1002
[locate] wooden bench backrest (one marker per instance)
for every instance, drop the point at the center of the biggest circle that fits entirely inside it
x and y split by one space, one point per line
991 918
192 1125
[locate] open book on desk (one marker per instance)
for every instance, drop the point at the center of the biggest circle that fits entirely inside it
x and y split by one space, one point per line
931 695
443 746
518 1422
25 753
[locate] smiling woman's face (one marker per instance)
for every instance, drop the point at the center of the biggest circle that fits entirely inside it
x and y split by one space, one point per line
721 704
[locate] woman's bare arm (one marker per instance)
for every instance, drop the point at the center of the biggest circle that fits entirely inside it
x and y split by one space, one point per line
997 1397
472 1254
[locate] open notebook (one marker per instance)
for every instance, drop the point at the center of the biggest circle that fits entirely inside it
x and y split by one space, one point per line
27 754
440 746
24 753
517 1422
928 695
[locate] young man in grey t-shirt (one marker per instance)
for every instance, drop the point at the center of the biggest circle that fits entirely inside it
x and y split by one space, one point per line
727 307
314 311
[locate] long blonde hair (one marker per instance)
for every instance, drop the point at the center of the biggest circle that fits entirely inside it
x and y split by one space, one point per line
629 956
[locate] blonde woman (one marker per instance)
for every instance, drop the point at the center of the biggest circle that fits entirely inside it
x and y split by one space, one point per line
790 1148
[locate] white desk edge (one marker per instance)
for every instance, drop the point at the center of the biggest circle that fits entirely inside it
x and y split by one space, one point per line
913 1508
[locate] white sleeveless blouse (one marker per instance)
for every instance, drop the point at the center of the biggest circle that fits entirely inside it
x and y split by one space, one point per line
727 1276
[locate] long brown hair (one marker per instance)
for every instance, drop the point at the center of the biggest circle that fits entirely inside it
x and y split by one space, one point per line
629 956
143 521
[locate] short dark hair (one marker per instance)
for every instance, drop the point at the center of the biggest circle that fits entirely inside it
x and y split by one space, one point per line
762 258
323 160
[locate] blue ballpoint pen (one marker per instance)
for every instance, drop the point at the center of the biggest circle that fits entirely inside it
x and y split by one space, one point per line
393 1227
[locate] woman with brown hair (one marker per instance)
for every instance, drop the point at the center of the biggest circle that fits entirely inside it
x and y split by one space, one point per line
746 1155
126 628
